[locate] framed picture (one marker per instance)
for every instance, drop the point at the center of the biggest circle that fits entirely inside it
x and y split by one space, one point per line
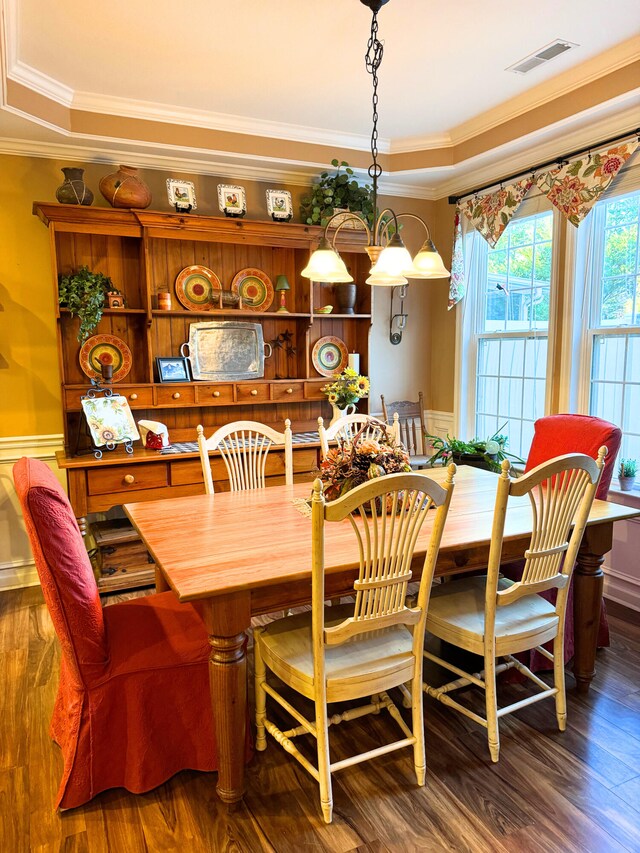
232 201
181 194
173 369
279 205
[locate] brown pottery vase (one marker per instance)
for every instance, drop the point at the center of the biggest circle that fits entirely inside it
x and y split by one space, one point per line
73 189
125 188
345 293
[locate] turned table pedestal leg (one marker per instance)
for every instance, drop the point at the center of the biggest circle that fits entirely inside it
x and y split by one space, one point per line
587 601
227 617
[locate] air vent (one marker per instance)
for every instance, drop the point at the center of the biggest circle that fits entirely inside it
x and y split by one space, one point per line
545 54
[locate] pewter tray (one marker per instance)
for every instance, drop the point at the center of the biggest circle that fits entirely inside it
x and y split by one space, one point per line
222 350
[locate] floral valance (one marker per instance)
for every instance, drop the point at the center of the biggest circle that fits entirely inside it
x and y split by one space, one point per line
457 287
576 186
490 214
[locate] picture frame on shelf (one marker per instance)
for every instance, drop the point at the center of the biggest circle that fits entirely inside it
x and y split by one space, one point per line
232 200
181 195
279 205
173 369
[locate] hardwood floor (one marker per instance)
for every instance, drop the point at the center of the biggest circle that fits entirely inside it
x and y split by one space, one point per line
577 791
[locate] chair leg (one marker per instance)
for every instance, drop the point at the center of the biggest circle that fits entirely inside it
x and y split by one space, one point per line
558 680
324 774
417 715
491 707
261 696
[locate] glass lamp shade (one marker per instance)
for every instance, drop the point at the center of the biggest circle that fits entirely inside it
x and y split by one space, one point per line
394 259
325 264
428 263
380 279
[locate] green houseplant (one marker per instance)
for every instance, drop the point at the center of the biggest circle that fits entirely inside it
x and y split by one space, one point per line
627 474
83 293
486 453
338 191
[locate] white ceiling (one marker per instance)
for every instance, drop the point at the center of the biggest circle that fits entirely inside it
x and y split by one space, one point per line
300 63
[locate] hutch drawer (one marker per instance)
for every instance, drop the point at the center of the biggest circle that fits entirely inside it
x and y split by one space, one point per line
251 392
313 390
175 395
127 478
290 391
217 394
139 397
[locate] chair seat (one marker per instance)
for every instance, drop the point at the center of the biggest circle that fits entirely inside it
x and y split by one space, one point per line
138 628
374 662
456 615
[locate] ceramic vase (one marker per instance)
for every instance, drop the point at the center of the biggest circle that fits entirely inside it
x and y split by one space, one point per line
345 294
337 413
125 188
626 483
73 189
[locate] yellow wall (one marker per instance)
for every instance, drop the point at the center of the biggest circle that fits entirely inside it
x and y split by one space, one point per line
29 378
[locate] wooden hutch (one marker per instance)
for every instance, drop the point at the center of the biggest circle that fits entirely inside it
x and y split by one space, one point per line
143 252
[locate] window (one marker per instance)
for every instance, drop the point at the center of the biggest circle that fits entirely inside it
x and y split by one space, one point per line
509 330
613 335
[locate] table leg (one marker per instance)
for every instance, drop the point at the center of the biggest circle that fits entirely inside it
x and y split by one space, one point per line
227 617
161 583
587 600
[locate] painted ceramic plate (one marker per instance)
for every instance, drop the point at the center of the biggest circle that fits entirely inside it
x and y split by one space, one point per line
195 286
330 356
105 349
255 288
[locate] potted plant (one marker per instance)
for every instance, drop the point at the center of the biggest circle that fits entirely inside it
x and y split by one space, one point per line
479 453
627 474
83 294
337 192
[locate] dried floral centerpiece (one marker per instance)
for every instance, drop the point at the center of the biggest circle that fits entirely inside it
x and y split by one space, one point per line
354 462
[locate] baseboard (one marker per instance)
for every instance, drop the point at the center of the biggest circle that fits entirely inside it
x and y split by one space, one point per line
621 588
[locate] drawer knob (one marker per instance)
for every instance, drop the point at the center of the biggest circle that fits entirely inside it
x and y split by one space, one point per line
133 396
129 479
289 390
176 395
254 393
216 393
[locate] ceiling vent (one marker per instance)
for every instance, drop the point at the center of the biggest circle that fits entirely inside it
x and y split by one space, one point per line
545 54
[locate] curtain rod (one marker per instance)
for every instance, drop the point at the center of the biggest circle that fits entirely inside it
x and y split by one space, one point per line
454 199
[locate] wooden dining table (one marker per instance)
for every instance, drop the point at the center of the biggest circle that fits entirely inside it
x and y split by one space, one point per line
235 555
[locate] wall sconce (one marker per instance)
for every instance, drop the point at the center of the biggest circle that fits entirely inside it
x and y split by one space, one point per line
400 319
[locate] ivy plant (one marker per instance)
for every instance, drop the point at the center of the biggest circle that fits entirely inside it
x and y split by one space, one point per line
83 293
337 191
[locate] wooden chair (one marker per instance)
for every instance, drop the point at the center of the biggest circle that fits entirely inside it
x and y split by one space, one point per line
244 447
348 426
407 419
497 618
368 646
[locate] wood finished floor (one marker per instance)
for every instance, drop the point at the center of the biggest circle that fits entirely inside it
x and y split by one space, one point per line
577 791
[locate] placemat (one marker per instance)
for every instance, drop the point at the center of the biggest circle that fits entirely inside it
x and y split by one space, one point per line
192 446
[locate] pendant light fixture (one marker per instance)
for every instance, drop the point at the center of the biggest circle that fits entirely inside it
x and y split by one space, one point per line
392 264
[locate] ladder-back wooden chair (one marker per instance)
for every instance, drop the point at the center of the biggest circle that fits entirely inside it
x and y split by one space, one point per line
497 618
365 647
347 426
407 419
244 447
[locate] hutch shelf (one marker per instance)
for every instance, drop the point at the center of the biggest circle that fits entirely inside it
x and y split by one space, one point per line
142 252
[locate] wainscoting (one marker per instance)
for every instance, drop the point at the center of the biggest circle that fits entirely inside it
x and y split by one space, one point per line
17 568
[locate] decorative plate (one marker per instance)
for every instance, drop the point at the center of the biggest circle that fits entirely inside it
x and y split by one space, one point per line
330 356
255 288
110 420
105 349
195 286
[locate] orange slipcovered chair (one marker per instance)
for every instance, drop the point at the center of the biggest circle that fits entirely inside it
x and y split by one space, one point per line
556 435
133 704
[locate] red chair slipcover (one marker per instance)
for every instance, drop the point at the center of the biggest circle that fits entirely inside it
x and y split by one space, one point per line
556 435
133 704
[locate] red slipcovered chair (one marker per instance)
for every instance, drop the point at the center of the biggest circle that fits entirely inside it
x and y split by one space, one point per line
133 704
556 435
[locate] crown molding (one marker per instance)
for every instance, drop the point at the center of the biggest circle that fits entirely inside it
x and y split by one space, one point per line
41 83
530 152
175 162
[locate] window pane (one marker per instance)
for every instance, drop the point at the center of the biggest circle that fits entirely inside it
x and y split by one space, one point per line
622 210
608 358
620 250
512 357
633 361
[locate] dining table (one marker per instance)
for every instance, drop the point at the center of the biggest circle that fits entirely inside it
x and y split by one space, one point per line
235 555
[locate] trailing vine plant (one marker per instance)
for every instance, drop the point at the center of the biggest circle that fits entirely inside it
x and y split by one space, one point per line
83 293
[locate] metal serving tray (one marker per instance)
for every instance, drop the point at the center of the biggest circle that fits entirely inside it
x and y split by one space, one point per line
222 350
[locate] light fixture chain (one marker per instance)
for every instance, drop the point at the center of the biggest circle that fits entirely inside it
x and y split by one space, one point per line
373 59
